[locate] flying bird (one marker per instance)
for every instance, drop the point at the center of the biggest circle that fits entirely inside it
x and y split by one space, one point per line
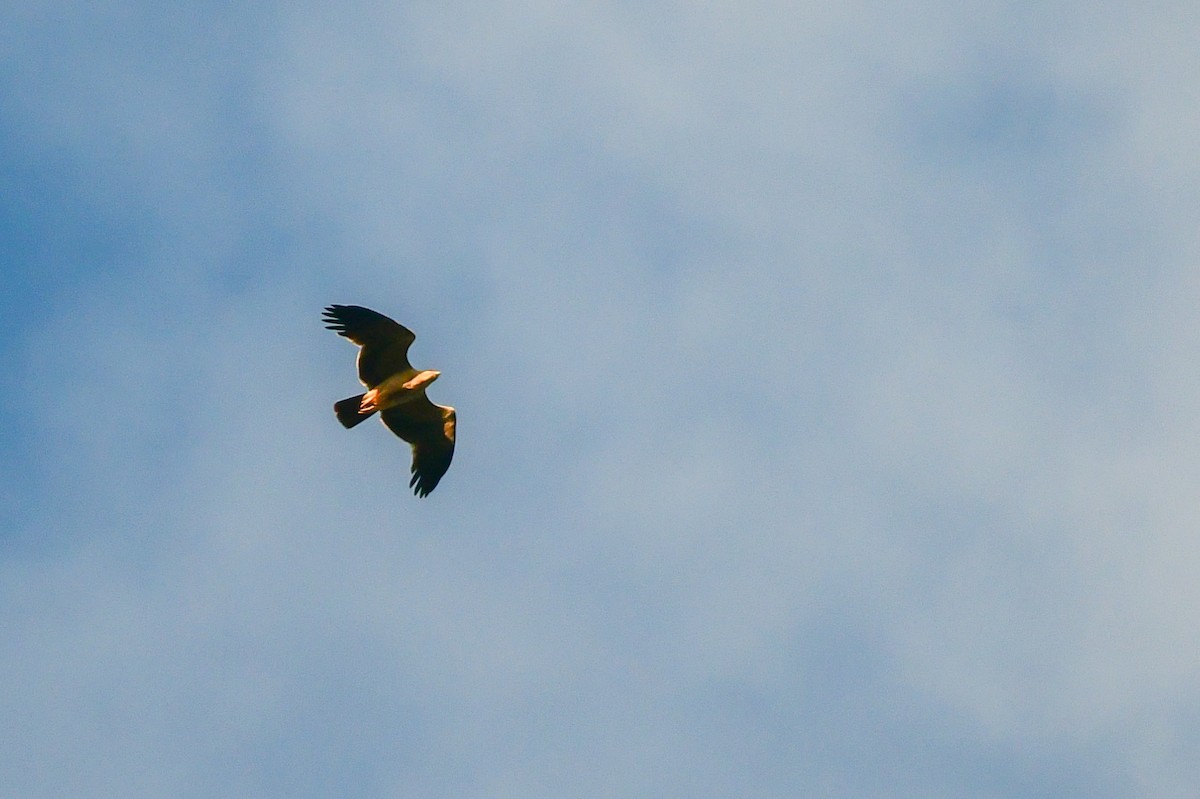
396 390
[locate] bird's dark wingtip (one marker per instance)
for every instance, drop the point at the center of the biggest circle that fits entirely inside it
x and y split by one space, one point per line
420 485
332 317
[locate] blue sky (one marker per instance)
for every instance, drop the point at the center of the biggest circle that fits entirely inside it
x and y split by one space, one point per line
828 409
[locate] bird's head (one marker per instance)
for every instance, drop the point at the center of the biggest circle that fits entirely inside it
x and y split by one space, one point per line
421 380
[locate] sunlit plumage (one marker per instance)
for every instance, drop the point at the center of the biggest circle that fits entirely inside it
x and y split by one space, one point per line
396 391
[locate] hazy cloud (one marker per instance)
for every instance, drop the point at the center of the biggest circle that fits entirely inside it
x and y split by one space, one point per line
824 384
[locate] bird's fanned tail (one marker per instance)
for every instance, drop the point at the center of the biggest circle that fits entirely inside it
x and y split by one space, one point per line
348 413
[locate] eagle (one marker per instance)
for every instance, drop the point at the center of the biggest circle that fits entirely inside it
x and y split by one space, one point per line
396 390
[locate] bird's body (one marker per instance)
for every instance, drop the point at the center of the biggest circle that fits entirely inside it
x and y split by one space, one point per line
400 388
396 390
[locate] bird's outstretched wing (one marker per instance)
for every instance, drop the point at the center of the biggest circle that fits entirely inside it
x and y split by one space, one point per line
429 428
384 341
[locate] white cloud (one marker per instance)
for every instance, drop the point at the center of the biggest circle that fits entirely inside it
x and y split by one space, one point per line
824 389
